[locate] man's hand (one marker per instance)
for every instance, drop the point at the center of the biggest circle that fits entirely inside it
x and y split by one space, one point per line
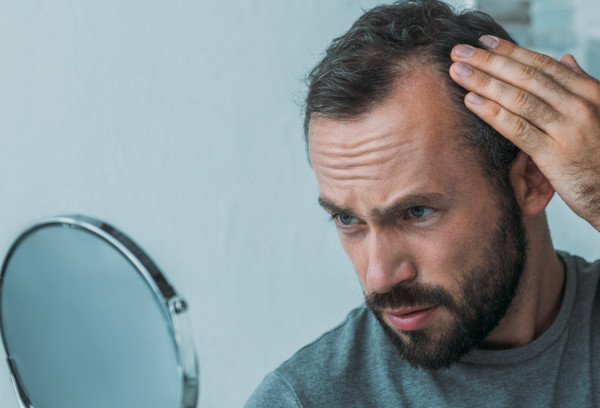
549 109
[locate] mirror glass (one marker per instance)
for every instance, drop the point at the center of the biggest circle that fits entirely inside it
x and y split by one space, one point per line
88 320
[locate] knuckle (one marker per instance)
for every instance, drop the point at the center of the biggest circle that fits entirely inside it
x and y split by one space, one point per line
522 99
496 111
593 85
528 72
587 111
532 108
548 83
562 145
569 148
486 82
542 112
509 49
549 115
487 58
520 129
541 60
562 78
526 135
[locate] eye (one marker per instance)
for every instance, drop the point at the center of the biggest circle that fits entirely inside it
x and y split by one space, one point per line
345 219
419 211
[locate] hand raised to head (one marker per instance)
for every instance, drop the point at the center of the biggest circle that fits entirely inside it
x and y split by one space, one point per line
549 109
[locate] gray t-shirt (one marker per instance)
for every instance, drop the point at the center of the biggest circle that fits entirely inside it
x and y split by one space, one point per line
355 365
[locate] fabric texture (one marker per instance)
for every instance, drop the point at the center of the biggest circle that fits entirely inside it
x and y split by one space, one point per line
355 365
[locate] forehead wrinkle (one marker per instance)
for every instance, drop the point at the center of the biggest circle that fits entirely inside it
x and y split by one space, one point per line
375 143
342 176
373 159
364 159
343 139
343 165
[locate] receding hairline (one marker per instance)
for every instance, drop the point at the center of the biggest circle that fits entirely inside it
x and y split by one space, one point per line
402 68
417 65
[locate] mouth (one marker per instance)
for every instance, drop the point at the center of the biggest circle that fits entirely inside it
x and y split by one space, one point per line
410 319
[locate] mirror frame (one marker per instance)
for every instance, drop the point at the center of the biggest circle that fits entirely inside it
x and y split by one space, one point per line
173 306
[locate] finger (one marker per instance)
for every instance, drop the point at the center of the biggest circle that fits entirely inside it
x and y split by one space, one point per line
518 101
517 74
572 81
521 132
569 61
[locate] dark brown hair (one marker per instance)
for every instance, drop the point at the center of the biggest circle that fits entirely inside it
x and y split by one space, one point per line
361 68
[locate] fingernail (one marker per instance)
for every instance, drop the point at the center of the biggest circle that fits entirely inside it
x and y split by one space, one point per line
474 98
464 51
463 69
489 41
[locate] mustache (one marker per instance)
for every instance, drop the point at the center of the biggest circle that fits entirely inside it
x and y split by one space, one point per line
409 296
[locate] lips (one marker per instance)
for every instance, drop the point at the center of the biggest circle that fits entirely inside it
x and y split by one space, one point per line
409 319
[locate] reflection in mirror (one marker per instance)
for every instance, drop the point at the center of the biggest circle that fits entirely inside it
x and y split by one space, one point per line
88 320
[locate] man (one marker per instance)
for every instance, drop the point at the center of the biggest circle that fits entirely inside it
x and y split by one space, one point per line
410 121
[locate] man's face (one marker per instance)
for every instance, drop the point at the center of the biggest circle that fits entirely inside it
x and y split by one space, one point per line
438 251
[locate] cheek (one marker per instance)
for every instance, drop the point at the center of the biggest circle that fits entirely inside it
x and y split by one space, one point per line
437 260
451 253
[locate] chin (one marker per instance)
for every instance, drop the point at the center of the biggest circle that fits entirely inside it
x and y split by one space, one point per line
437 346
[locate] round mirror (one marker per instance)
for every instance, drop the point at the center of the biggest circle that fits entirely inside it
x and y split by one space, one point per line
88 320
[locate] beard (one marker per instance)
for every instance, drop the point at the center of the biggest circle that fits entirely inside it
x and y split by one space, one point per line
486 292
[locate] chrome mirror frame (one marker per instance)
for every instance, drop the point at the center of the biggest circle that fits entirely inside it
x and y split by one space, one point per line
174 307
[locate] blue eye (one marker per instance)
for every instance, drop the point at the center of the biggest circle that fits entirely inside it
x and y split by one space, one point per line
420 211
345 219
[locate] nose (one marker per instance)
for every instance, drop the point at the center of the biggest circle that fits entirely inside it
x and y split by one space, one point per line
389 262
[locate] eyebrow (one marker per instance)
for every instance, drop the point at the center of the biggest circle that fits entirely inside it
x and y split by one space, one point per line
331 207
398 207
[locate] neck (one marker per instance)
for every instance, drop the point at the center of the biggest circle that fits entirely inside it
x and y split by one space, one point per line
539 296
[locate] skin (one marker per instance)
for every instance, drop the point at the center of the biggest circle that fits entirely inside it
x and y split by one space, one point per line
549 109
420 208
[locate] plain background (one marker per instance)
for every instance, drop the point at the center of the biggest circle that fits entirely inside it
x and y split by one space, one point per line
180 122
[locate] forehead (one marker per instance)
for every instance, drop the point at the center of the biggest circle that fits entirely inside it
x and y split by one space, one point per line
409 143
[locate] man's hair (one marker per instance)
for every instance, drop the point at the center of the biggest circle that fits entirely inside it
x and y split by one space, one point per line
362 67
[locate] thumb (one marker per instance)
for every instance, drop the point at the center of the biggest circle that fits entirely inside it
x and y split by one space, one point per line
570 62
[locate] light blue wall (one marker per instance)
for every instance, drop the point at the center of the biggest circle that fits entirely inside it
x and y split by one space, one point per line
178 121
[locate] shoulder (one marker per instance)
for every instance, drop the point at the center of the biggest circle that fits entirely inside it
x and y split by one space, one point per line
582 292
587 273
273 391
335 349
332 370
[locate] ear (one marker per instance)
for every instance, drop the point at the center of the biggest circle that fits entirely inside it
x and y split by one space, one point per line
532 189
